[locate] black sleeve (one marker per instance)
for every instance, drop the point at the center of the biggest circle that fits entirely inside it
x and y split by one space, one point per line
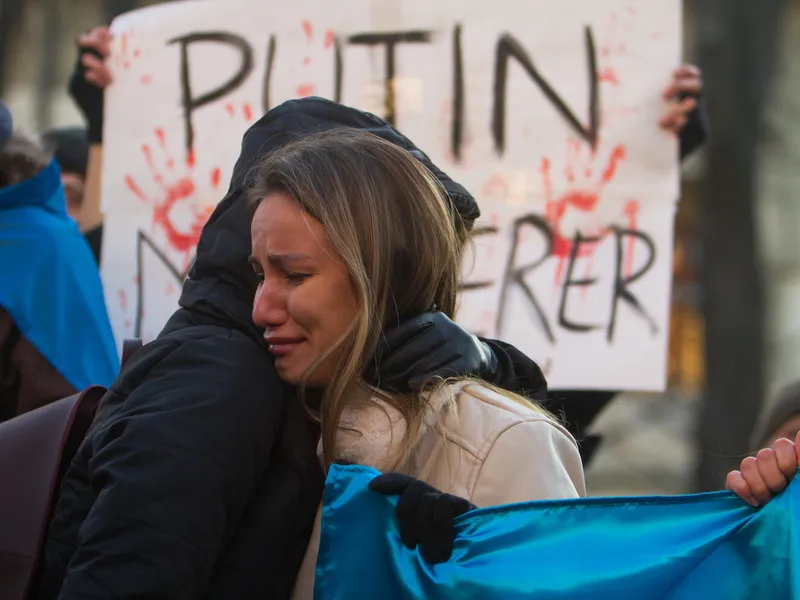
173 469
516 372
693 134
578 408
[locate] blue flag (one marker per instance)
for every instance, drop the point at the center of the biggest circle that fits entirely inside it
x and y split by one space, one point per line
704 546
49 282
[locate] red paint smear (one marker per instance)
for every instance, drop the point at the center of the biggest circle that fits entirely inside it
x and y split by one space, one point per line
146 79
329 39
135 189
247 110
544 171
162 136
496 186
124 44
183 189
229 109
608 75
632 212
580 200
617 154
170 289
137 53
307 60
308 29
306 89
128 323
123 300
216 177
148 157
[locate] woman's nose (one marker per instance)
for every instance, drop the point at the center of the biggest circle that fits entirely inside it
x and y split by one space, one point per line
269 306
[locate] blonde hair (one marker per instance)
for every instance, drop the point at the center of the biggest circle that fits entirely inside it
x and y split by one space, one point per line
396 231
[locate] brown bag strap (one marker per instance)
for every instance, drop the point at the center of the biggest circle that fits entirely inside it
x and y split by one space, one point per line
36 449
129 348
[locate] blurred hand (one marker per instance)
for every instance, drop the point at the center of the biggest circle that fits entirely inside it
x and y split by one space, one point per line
759 478
683 93
96 71
90 76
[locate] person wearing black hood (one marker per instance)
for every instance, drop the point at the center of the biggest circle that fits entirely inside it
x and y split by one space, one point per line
198 479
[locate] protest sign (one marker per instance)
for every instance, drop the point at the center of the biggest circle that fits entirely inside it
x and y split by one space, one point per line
546 112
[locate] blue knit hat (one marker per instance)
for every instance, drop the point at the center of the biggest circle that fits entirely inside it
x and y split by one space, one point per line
6 125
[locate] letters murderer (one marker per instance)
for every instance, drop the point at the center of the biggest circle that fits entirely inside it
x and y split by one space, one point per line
507 49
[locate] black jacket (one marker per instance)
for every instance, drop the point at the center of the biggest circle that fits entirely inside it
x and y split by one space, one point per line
198 478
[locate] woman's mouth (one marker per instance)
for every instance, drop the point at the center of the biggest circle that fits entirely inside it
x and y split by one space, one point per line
280 346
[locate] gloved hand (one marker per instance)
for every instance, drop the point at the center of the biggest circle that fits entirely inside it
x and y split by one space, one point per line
428 345
425 514
87 92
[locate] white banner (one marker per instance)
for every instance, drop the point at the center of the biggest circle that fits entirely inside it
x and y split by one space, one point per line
547 112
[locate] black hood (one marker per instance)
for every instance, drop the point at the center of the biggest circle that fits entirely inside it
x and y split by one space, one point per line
221 283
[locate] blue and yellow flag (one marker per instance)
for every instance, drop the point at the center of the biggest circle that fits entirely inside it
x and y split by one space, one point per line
704 546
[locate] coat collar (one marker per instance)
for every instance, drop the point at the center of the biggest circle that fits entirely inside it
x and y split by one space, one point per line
371 431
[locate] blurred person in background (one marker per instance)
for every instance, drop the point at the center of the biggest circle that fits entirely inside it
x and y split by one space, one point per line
71 149
79 150
55 336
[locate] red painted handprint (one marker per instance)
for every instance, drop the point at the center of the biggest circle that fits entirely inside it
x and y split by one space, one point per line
308 88
618 27
246 111
585 188
128 55
174 189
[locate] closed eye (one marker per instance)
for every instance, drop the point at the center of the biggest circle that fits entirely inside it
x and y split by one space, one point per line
256 268
296 278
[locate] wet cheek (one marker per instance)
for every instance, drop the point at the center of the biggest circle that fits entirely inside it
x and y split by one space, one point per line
306 310
258 307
